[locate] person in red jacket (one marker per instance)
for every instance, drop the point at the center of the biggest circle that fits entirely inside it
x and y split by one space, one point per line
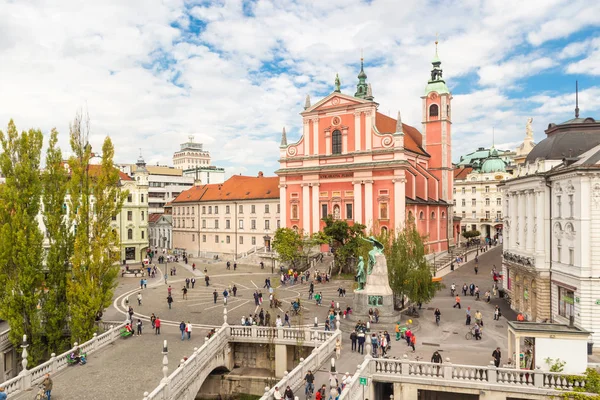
157 326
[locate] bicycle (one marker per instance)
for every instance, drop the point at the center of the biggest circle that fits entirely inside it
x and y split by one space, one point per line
437 320
469 335
41 394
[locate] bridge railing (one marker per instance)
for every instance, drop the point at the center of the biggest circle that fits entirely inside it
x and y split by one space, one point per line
28 378
449 374
279 335
319 355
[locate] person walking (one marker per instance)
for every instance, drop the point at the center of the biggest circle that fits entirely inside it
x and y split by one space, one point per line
234 266
497 355
457 304
152 319
193 282
157 326
338 348
184 290
188 329
169 301
286 319
407 335
468 316
225 294
47 384
497 314
139 327
206 279
139 298
477 331
398 331
464 289
413 341
182 329
130 312
478 318
215 295
361 342
169 290
234 290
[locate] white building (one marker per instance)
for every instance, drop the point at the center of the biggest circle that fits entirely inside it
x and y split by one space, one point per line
206 175
477 198
160 231
191 155
227 219
551 261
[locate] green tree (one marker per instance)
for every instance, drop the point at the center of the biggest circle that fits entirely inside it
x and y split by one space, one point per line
21 257
288 244
471 234
55 180
95 198
345 240
408 270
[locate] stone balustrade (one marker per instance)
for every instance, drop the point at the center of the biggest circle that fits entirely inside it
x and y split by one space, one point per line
291 336
535 382
29 378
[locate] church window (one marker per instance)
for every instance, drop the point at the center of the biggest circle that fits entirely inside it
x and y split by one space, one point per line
421 215
487 189
278 208
130 234
142 198
294 211
241 224
566 303
473 202
204 223
571 206
253 240
383 210
204 238
209 210
487 201
253 224
434 110
443 215
241 240
252 209
216 210
226 209
216 238
203 209
143 215
227 239
336 142
216 224
227 224
323 210
129 198
349 211
432 215
410 216
241 209
384 230
267 224
266 208
129 215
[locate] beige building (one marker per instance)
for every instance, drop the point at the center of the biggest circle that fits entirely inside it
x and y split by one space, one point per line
227 219
191 155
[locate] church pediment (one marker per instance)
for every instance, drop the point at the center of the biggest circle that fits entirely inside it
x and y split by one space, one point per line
336 100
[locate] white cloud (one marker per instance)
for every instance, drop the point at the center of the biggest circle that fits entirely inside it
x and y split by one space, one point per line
590 65
150 84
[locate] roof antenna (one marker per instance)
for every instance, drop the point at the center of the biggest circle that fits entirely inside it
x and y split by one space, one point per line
493 135
576 99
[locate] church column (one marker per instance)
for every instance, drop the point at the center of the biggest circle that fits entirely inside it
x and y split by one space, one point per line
539 224
307 140
514 222
358 202
283 201
368 204
521 211
530 221
399 203
305 207
357 130
315 208
368 124
306 132
315 135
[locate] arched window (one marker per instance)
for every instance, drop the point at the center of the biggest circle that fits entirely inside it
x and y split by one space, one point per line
444 214
384 230
434 110
410 216
432 215
421 215
295 228
130 234
336 142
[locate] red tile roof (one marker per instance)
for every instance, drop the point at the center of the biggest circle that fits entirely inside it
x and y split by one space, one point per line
461 173
235 188
154 217
413 140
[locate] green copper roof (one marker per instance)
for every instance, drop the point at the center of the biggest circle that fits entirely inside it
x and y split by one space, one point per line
438 86
493 164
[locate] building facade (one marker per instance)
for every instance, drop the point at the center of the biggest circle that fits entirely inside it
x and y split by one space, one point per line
477 197
551 260
357 164
191 155
206 174
227 219
160 231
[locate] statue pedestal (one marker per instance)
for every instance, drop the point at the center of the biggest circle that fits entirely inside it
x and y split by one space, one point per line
376 294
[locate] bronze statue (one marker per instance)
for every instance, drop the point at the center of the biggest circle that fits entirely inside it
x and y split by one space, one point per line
377 249
361 277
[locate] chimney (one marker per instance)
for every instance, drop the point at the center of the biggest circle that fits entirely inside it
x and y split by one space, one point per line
260 174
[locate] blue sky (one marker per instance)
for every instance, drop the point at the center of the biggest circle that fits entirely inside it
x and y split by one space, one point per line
234 73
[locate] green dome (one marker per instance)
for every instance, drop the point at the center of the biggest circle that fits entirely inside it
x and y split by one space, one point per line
493 164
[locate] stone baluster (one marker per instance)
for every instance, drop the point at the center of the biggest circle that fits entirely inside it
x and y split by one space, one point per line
146 394
405 365
253 331
279 332
25 373
53 367
538 377
94 342
165 362
266 392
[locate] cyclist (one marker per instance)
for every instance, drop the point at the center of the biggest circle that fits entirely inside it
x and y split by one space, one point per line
309 380
438 315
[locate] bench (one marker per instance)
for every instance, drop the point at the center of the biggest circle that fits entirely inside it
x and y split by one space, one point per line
133 272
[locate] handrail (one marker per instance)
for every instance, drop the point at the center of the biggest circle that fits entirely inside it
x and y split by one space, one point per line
28 378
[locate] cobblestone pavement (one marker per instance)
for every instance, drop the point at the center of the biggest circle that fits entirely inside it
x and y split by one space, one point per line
132 366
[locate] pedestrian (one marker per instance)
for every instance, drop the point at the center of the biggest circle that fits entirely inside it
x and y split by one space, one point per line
398 330
477 331
478 318
234 290
225 294
497 355
184 290
157 326
130 312
476 267
206 279
187 283
139 327
468 316
139 299
169 290
166 276
496 314
278 322
287 319
188 329
141 283
228 265
413 341
361 342
145 283
276 394
407 336
215 295
47 384
2 393
288 394
464 289
472 289
267 319
182 329
169 301
152 319
353 339
338 348
193 282
457 304
234 266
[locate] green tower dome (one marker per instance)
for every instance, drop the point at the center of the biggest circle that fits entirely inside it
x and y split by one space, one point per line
493 164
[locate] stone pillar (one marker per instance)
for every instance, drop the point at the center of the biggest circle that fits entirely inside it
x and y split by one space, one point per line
306 207
357 131
315 208
368 134
358 202
540 244
405 391
522 220
307 139
368 205
315 135
530 221
283 202
493 395
280 360
399 203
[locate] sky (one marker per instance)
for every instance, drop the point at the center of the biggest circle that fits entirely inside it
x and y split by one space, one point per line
233 73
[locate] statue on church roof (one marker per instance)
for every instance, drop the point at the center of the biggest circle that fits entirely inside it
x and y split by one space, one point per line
528 130
337 83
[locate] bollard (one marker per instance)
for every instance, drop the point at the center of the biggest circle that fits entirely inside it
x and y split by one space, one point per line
333 364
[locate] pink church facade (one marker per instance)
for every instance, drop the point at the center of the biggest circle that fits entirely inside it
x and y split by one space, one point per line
357 164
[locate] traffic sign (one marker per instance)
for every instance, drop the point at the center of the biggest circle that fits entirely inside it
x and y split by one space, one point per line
363 381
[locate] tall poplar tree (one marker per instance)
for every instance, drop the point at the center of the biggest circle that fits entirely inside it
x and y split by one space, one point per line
55 180
95 198
21 257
